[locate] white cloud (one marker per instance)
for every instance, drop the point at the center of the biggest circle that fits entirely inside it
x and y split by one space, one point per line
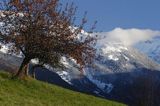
129 36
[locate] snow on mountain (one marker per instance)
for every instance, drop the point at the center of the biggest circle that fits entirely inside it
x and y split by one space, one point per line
145 40
151 48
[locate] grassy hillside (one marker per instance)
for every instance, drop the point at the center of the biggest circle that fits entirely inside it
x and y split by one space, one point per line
30 92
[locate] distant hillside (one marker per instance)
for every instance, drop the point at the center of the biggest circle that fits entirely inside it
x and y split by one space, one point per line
30 92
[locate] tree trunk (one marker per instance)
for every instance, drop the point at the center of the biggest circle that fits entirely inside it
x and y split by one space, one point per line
21 68
26 69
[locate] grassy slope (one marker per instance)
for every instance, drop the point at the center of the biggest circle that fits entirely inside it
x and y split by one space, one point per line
30 92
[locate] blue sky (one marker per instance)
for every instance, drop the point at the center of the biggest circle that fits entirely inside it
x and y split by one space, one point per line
110 14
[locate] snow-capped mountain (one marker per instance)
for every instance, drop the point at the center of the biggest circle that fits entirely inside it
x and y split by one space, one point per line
112 58
115 71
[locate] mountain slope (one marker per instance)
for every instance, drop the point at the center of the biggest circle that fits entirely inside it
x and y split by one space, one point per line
32 92
112 58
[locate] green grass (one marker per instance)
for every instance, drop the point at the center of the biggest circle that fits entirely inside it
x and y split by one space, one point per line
30 92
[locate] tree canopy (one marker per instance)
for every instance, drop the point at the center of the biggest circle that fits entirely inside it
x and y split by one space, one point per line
45 30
